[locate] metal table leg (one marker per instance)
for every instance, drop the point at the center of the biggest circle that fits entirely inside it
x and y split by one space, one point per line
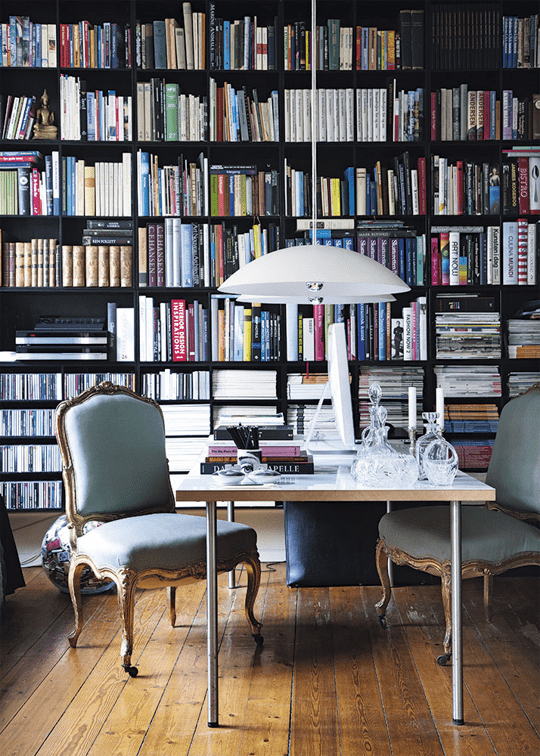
230 518
390 562
211 599
457 640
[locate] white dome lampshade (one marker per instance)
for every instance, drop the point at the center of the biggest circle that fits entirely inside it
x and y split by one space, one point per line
314 273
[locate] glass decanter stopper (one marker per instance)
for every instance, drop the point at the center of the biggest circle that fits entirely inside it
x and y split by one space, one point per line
432 432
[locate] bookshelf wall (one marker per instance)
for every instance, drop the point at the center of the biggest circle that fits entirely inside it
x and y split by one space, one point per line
216 155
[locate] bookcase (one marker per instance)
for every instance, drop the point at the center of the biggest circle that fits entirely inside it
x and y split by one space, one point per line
183 139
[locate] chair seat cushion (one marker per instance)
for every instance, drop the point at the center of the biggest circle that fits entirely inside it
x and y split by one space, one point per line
487 535
165 540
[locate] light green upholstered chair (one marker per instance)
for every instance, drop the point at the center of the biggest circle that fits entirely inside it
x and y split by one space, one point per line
115 472
494 539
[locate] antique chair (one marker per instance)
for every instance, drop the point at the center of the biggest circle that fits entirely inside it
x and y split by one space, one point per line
116 473
494 539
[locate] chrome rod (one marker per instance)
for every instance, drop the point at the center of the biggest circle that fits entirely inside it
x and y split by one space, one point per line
211 604
457 641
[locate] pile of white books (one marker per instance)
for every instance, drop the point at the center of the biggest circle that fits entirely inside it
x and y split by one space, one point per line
244 384
473 380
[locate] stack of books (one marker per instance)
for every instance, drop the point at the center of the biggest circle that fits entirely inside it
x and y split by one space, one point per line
467 327
283 455
472 380
524 338
471 418
63 339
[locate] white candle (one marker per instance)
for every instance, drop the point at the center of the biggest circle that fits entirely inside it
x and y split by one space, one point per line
412 406
439 406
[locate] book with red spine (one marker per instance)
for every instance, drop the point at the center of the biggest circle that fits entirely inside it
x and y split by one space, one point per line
459 181
178 327
35 193
190 328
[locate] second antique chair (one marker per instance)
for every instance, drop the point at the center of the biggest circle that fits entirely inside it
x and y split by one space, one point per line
115 471
494 539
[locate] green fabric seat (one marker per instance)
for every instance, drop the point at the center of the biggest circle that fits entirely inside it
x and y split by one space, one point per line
165 541
487 535
493 540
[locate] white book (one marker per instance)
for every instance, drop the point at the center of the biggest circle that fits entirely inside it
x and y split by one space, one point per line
361 198
510 252
330 116
287 114
454 257
407 315
291 314
358 115
322 116
369 115
149 329
376 114
306 115
126 183
494 234
125 334
531 253
176 253
51 45
342 120
422 328
414 190
142 328
308 339
383 109
56 181
349 115
299 115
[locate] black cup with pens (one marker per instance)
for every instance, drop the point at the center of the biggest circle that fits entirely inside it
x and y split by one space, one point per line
246 438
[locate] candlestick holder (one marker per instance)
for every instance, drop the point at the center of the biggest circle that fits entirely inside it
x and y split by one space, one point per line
412 440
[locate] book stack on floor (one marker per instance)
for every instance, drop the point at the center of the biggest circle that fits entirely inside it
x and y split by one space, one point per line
63 339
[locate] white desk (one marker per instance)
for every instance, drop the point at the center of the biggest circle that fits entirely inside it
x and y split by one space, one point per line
333 483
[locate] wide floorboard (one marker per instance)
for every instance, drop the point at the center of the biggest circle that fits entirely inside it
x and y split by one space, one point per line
329 680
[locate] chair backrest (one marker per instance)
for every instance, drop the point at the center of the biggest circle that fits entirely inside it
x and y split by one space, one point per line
514 468
113 450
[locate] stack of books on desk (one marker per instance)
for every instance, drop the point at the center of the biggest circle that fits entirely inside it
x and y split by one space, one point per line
286 456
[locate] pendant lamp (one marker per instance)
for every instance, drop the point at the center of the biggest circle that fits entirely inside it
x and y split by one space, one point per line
314 273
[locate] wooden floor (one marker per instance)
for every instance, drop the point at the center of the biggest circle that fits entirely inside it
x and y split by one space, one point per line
328 680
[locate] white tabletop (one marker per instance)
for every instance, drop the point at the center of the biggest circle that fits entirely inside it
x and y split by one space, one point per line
330 483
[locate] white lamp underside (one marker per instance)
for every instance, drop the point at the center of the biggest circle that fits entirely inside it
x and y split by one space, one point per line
345 275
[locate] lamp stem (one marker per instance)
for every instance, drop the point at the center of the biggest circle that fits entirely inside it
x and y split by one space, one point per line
314 121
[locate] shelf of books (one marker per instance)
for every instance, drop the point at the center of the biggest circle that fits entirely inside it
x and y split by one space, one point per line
149 148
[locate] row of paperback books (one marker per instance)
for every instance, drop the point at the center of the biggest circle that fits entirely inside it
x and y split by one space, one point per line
100 189
243 190
33 494
26 43
178 189
31 386
244 333
165 114
93 116
465 187
242 44
465 37
237 117
521 41
174 253
175 331
463 114
165 43
483 256
382 114
86 45
29 183
17 116
27 422
342 48
169 385
100 265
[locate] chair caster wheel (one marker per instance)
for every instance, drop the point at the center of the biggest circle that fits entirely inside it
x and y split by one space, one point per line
384 623
443 659
132 671
259 640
